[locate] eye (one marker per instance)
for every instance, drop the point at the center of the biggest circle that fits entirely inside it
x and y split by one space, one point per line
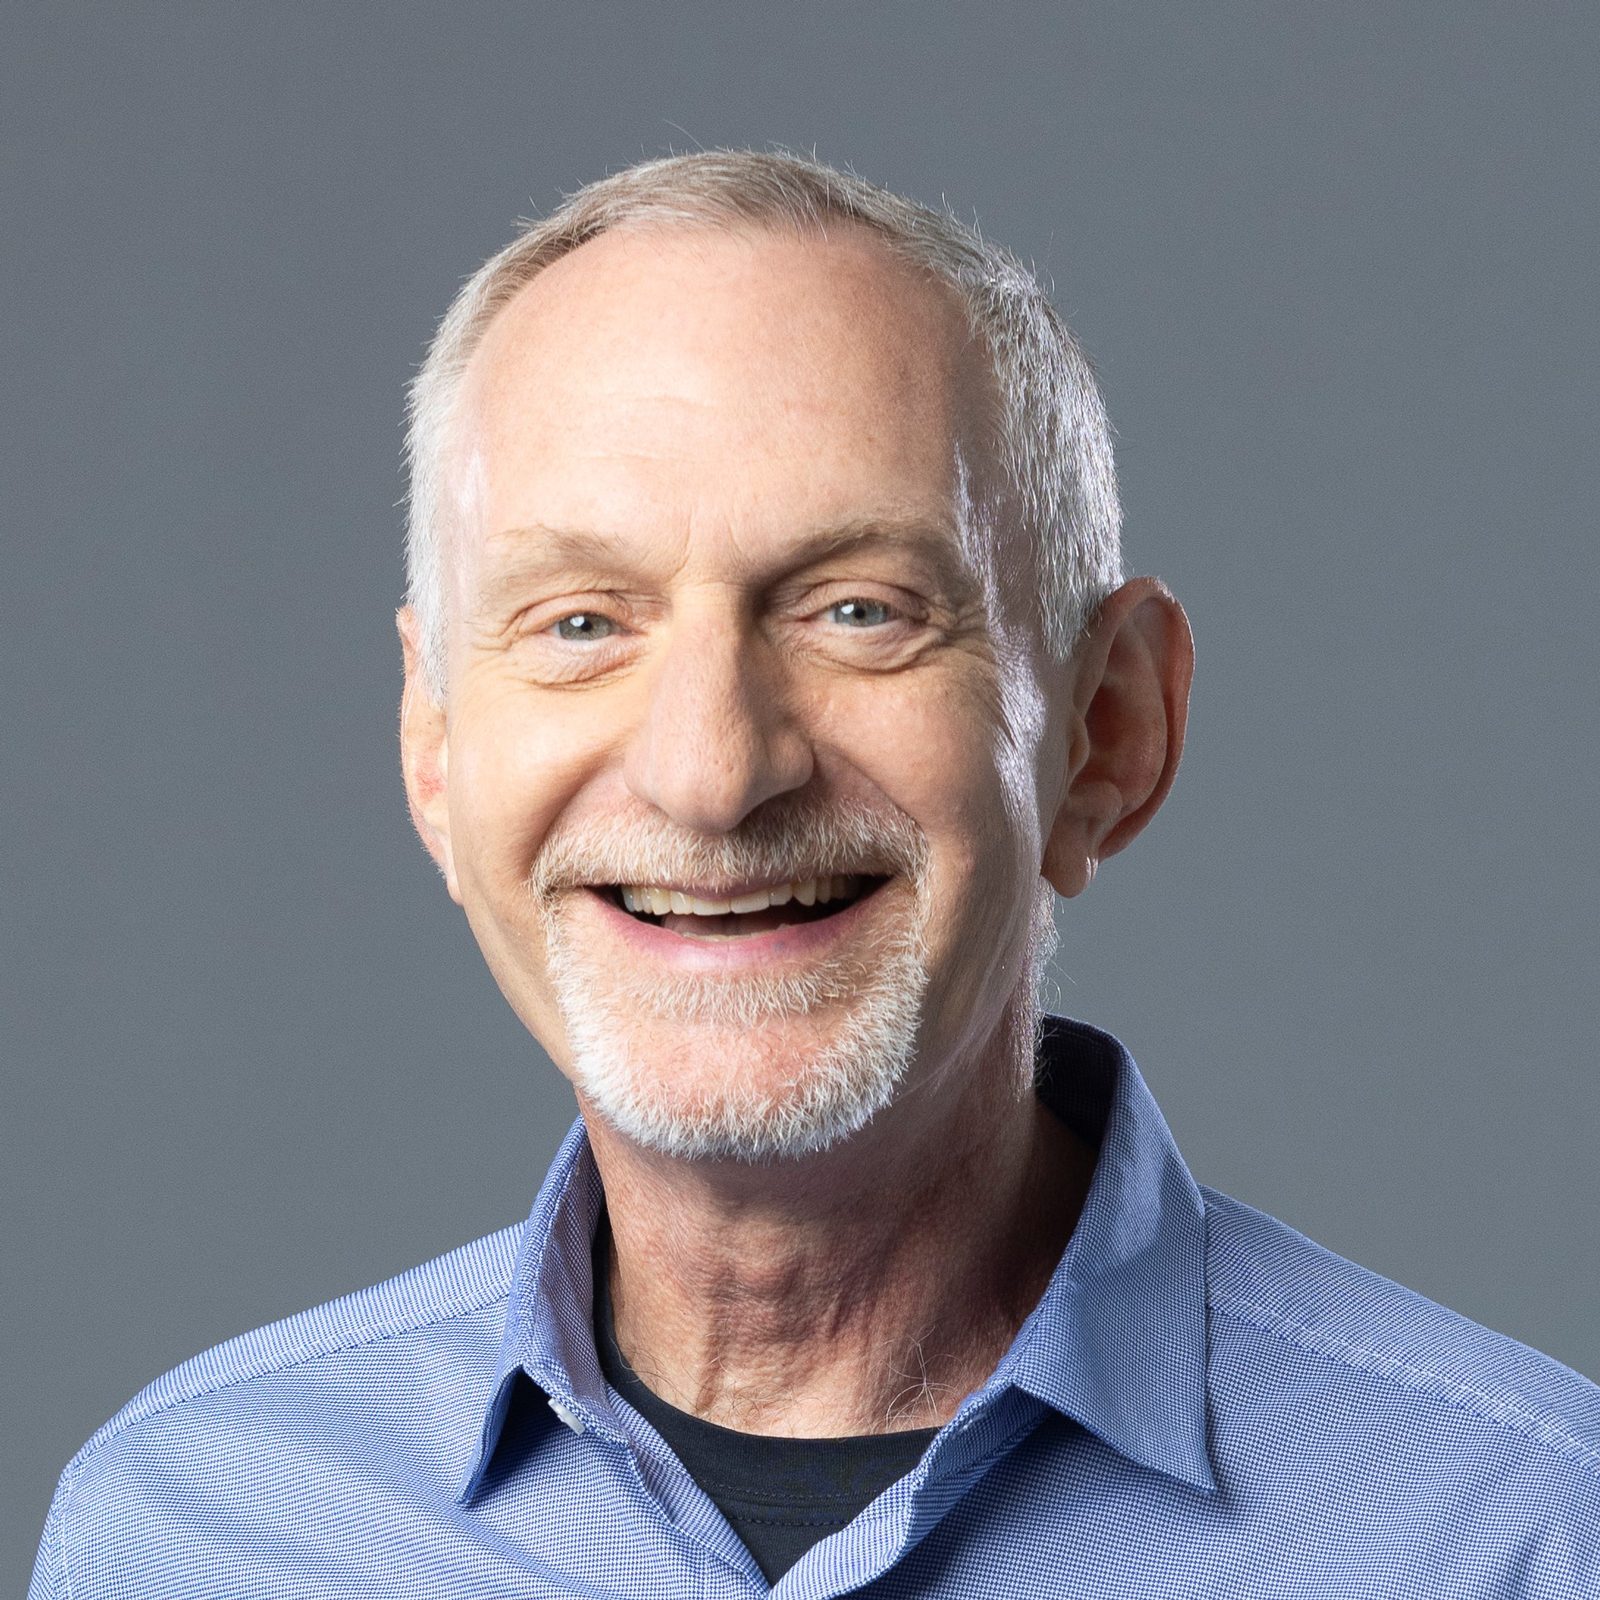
859 612
582 625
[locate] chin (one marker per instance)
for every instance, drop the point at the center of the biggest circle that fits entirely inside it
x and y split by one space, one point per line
751 1071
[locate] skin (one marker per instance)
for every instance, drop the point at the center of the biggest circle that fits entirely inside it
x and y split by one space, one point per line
703 404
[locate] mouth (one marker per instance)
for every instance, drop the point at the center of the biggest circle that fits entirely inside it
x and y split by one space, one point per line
698 913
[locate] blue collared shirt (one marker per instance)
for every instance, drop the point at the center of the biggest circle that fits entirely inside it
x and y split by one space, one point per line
1203 1403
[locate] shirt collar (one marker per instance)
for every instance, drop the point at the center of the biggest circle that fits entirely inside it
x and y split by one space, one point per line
1117 1342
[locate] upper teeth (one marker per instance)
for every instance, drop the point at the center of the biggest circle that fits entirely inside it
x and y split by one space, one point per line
808 891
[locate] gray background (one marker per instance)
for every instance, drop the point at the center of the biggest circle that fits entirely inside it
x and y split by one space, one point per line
1337 266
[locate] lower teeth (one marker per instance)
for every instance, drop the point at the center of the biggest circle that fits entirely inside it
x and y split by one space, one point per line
820 912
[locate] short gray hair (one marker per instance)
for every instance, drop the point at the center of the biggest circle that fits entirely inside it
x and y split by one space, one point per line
1052 438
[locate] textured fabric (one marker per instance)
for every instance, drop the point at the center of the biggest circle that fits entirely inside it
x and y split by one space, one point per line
1204 1403
781 1496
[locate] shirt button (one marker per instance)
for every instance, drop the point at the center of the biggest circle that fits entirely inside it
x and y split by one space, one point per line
572 1421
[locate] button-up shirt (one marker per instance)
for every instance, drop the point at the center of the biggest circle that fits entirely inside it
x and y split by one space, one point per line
1203 1403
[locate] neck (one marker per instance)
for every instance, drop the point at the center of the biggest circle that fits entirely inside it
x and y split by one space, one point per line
863 1290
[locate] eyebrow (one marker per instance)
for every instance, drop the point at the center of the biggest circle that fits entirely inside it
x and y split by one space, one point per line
579 552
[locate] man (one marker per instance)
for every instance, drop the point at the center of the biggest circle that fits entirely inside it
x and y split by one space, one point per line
770 670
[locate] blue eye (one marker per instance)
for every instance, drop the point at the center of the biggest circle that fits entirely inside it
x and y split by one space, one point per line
583 625
859 613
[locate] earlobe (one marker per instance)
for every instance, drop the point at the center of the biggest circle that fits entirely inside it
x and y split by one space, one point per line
425 756
1129 711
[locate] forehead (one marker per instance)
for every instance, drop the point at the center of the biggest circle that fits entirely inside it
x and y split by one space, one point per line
748 382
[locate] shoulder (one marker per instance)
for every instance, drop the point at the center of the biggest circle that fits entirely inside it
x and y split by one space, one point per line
1346 1335
278 1399
465 1280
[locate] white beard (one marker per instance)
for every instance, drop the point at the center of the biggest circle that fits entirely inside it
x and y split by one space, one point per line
824 1094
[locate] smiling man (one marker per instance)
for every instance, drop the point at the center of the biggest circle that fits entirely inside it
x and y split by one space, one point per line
770 674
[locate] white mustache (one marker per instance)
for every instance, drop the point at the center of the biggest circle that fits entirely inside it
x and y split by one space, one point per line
775 845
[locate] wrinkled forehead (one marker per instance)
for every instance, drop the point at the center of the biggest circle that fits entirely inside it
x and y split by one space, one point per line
749 380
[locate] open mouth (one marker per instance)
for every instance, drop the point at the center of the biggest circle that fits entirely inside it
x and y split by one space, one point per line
761 911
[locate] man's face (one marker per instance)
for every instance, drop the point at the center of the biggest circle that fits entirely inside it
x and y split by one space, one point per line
725 623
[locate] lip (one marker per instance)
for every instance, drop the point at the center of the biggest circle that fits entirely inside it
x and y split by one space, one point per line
794 942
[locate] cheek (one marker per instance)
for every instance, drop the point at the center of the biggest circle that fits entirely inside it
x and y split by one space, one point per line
933 751
947 762
511 772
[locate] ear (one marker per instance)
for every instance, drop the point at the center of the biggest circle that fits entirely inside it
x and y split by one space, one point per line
1130 677
425 754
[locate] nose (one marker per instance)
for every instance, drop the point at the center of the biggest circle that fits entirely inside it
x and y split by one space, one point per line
716 738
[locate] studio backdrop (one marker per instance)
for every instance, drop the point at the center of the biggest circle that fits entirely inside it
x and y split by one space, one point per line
1336 266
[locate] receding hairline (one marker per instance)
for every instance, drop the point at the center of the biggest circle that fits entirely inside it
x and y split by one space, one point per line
970 351
971 363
